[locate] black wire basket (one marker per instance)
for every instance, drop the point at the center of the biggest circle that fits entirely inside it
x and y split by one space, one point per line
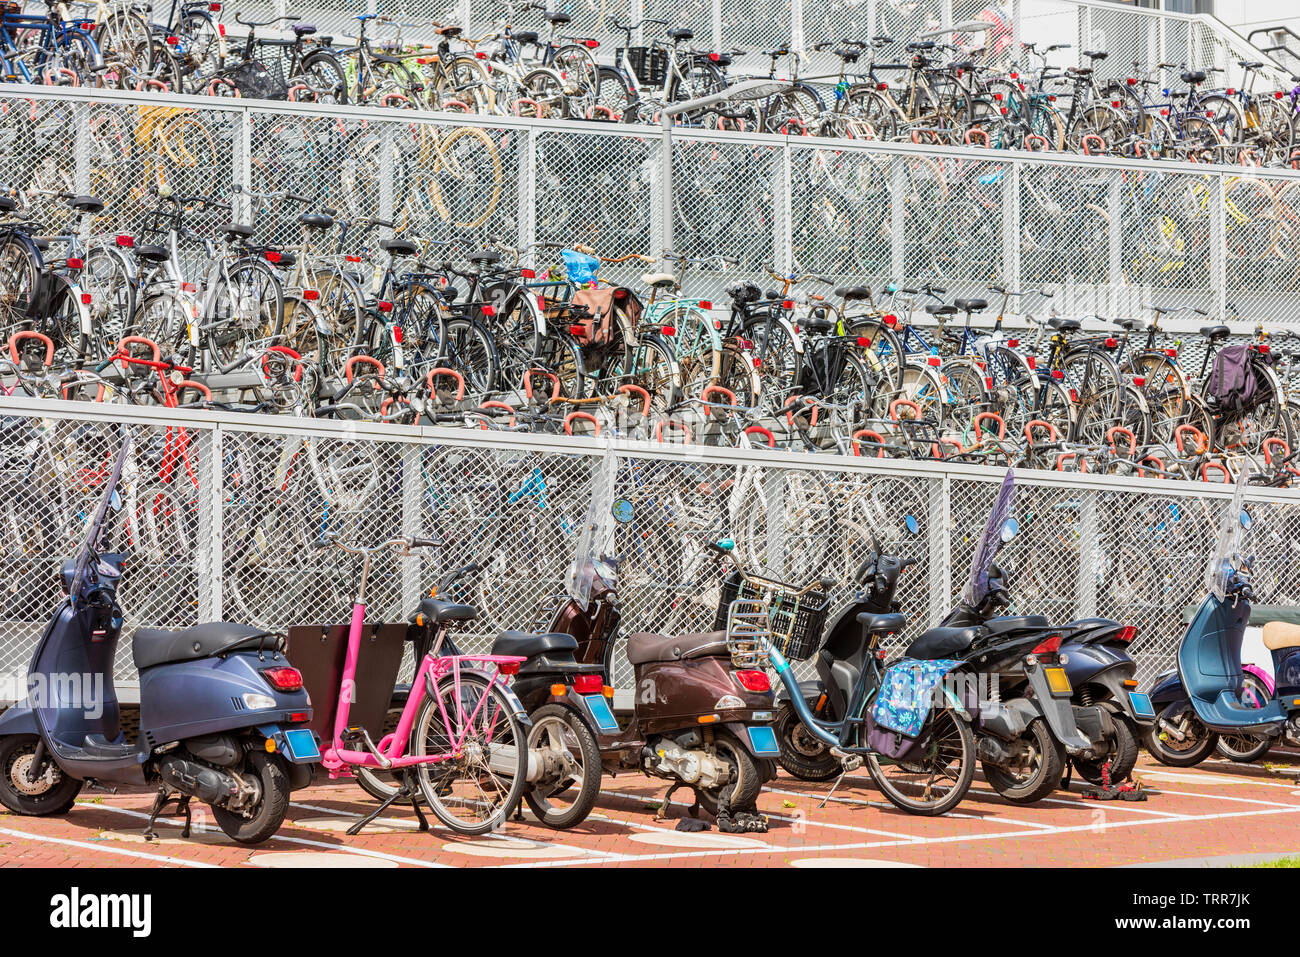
650 64
796 623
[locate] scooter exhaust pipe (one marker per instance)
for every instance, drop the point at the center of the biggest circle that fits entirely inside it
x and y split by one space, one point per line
197 780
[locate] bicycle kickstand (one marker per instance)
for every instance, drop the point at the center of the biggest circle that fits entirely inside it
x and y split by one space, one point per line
407 790
848 762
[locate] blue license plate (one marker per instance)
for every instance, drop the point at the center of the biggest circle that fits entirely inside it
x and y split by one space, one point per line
763 739
301 745
1141 704
600 712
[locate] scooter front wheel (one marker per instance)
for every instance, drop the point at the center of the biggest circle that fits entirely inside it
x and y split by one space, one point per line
1197 744
934 779
52 792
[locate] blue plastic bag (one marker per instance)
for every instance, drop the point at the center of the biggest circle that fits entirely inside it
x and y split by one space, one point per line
579 267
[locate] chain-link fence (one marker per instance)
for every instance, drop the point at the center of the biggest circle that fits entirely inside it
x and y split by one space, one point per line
223 516
1108 237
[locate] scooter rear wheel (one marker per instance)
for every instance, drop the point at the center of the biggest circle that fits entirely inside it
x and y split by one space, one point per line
51 793
268 814
1122 759
1039 775
565 734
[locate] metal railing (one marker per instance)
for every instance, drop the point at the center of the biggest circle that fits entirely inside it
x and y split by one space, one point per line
219 513
1108 236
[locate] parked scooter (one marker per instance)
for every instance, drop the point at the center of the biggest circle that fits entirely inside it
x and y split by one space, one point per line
1256 684
222 712
1027 722
1188 729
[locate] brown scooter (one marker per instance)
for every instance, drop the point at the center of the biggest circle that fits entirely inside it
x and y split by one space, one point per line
697 720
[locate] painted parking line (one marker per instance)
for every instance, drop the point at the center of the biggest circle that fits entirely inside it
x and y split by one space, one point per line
104 848
305 842
946 839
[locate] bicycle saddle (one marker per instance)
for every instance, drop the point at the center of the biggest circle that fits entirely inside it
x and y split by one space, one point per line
8 204
316 220
659 280
451 32
1130 325
436 610
483 257
853 293
921 45
304 29
1096 54
1065 325
86 204
525 36
819 323
398 247
558 17
237 230
938 309
681 33
1193 76
849 56
1214 332
971 305
153 254
741 292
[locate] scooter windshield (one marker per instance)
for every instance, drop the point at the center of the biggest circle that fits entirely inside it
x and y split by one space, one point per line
986 548
596 535
95 530
1227 550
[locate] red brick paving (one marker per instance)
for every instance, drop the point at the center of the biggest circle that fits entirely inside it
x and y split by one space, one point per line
1214 810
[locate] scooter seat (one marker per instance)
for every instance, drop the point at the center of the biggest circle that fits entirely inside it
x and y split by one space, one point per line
436 610
643 648
882 624
527 644
151 647
1281 634
942 643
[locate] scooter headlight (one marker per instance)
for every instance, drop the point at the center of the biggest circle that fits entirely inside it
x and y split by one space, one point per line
257 702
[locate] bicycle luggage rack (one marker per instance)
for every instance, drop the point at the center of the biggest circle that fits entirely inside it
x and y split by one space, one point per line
748 629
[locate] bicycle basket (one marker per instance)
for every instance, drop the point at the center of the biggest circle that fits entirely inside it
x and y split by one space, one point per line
794 625
650 64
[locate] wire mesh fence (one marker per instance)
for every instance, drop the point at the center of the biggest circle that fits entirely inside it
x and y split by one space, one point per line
224 518
1108 237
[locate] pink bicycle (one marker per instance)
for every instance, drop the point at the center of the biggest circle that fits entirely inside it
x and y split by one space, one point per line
461 742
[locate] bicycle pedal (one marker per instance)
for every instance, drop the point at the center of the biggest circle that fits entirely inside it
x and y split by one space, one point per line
848 762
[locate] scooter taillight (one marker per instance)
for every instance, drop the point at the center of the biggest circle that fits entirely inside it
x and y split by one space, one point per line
1126 634
753 680
1049 647
588 684
283 678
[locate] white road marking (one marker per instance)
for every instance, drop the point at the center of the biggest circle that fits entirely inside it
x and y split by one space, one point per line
105 848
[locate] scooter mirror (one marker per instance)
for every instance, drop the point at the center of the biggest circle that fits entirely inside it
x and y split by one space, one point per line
1245 519
912 525
1010 528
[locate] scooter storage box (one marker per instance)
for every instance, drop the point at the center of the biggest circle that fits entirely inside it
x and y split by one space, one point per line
318 652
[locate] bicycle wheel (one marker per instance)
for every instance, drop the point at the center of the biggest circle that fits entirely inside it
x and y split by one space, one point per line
546 90
696 346
651 364
340 306
463 80
325 77
201 37
467 348
248 308
516 335
19 275
616 95
1093 384
106 276
581 76
1164 387
936 780
871 111
465 176
475 791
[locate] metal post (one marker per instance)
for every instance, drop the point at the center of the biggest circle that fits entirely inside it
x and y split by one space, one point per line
466 14
210 560
1114 242
782 220
665 170
1085 33
635 14
1218 246
1087 580
796 25
528 191
1011 226
717 24
897 216
774 505
940 549
81 157
386 174
412 588
241 166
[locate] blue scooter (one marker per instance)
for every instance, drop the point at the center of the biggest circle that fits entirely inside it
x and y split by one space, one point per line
1187 729
223 715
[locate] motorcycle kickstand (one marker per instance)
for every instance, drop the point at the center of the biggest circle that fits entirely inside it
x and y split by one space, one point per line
1069 770
661 812
160 802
